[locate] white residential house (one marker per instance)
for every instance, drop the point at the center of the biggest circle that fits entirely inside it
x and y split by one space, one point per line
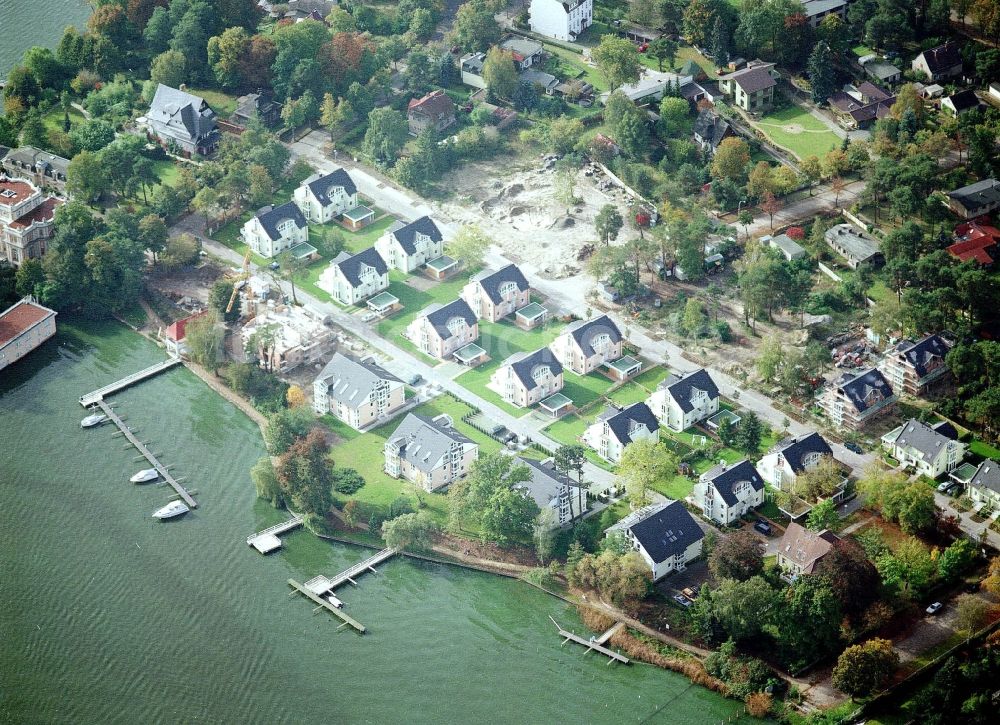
358 392
680 402
551 488
984 486
728 491
429 453
442 330
526 378
856 399
781 466
614 429
275 229
352 278
324 197
561 20
586 345
665 535
495 295
923 449
407 247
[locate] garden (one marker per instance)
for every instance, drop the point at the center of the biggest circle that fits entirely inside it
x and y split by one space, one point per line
796 130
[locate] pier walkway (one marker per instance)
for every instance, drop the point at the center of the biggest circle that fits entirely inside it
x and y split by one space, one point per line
594 643
267 540
147 454
98 395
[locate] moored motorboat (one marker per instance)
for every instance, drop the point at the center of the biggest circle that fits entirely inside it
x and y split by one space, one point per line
172 509
91 420
145 475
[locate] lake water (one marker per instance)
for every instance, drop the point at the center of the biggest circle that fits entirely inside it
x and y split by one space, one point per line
24 23
109 616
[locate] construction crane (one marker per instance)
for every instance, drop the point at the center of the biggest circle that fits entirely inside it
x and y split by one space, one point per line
244 277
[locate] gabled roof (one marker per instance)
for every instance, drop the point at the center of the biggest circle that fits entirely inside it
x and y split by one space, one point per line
35 158
976 242
524 365
872 92
177 331
321 184
753 78
980 194
806 547
664 530
522 48
859 388
423 442
439 315
786 244
271 216
492 281
436 104
546 482
710 128
921 438
680 388
351 265
180 109
794 450
351 382
621 422
942 58
406 234
987 476
853 241
725 477
920 354
584 332
964 100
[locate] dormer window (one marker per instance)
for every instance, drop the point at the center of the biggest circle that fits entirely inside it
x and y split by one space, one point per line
456 325
810 459
601 342
542 372
508 289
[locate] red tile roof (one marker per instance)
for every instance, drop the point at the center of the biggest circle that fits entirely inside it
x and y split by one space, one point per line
976 242
436 105
20 318
14 192
44 212
178 330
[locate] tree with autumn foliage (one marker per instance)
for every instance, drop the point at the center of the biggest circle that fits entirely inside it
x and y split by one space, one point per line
739 556
853 578
305 474
862 668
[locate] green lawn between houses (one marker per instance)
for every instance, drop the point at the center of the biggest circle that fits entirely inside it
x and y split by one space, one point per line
795 129
222 103
415 300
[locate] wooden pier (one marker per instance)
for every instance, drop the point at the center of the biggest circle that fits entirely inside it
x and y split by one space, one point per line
147 454
594 643
267 540
98 395
343 616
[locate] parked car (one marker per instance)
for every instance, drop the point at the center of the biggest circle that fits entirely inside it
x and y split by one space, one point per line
942 487
763 527
689 593
934 608
682 600
854 447
416 379
274 265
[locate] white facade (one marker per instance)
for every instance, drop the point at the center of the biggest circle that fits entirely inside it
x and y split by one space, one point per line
743 496
425 249
561 20
289 234
324 208
337 285
599 437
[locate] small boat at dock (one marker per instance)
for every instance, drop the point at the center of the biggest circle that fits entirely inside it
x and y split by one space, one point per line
145 475
91 420
334 601
172 509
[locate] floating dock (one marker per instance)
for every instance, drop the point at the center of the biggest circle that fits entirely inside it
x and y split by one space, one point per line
320 588
595 643
267 540
147 454
98 395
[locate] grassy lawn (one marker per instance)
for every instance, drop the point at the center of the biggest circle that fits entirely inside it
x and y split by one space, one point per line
651 377
690 53
415 300
794 129
985 449
363 452
222 103
53 120
166 171
356 241
572 65
677 487
628 394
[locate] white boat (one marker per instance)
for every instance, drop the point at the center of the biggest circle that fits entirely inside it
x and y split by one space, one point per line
91 420
146 474
172 509
334 601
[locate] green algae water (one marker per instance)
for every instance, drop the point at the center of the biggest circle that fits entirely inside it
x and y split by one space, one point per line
24 23
108 616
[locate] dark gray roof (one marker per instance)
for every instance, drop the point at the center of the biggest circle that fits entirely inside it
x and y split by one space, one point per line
350 381
679 388
524 365
35 159
710 128
752 79
492 281
922 438
794 450
586 331
180 109
271 216
964 100
4 150
664 530
987 476
423 442
725 478
620 422
406 234
352 264
975 196
921 354
546 482
942 58
320 185
857 244
859 388
438 316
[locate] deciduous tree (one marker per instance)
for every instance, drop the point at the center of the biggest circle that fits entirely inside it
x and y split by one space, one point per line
739 556
861 669
617 60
